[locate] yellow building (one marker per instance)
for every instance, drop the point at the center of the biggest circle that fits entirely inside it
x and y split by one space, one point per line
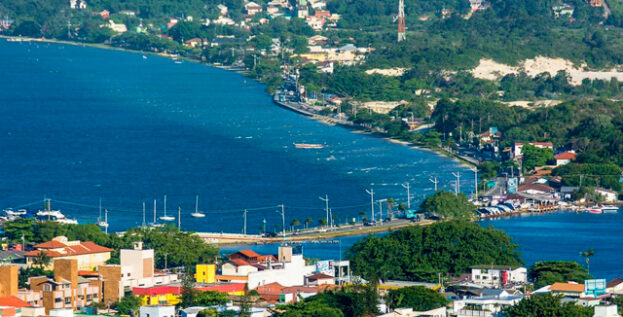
158 295
206 273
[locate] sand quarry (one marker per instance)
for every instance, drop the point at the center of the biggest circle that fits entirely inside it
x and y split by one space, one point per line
492 70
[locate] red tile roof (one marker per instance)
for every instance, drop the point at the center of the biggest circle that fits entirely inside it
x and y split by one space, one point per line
13 301
567 287
87 247
537 187
157 290
319 276
52 244
614 282
249 253
223 288
239 262
565 156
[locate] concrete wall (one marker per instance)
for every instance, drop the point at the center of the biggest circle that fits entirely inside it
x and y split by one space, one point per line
8 280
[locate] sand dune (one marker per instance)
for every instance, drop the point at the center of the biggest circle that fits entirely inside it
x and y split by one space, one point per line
492 70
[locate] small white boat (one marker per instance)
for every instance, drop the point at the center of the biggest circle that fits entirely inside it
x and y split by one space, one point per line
609 209
197 214
308 146
12 213
144 57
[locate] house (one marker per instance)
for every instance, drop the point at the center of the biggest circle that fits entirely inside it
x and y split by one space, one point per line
408 312
238 267
136 269
157 311
116 27
14 306
317 40
66 290
572 290
205 273
129 13
319 279
498 275
77 4
535 189
595 3
302 11
564 158
315 23
104 14
541 145
194 42
252 257
290 270
493 134
478 5
608 196
615 286
606 311
483 306
252 8
88 254
564 9
222 9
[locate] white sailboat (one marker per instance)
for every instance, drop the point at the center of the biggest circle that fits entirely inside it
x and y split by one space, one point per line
104 224
100 222
165 217
197 214
155 223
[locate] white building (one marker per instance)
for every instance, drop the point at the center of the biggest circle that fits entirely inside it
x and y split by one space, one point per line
483 306
606 311
289 271
117 27
408 312
498 275
608 195
157 311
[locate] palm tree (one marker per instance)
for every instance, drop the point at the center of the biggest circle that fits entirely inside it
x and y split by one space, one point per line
587 254
362 215
295 222
42 260
322 222
308 220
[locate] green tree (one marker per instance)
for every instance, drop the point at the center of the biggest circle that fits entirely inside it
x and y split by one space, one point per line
534 156
128 305
419 253
189 294
42 260
549 272
447 205
308 220
295 222
547 305
417 297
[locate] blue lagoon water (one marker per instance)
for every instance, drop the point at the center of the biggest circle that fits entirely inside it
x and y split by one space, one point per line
78 123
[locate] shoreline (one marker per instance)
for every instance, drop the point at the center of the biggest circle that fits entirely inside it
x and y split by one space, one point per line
358 129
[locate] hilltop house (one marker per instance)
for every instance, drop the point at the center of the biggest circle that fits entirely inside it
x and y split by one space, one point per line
565 158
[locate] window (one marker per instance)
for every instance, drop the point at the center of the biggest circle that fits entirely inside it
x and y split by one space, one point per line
47 287
58 300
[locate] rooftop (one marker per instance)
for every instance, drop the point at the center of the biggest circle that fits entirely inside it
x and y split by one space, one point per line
567 287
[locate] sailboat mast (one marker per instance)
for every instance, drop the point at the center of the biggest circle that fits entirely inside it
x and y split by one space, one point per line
165 205
154 211
179 218
106 220
143 214
99 218
197 204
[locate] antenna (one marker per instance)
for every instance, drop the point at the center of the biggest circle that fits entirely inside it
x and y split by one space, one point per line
402 28
371 193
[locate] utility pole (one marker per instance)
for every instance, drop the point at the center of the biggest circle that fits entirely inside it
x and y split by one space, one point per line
326 208
457 187
434 181
406 186
371 193
244 227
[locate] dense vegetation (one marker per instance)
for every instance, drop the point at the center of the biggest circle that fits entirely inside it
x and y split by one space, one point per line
549 272
447 205
547 305
418 298
352 301
420 253
176 248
